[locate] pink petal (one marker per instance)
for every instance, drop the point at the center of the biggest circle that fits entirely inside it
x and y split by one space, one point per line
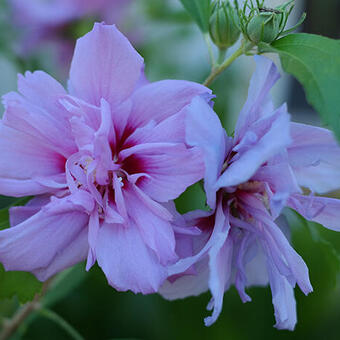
104 65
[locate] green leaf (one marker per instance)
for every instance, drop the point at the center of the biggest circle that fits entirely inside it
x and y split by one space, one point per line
64 283
315 61
23 285
200 12
4 219
310 238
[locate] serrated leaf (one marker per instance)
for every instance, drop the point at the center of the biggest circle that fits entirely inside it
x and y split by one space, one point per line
200 12
21 284
315 62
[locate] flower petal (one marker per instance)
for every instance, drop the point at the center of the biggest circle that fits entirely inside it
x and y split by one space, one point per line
204 130
170 168
128 263
220 264
283 298
104 65
35 244
160 100
188 285
26 159
153 222
274 136
315 158
323 210
258 103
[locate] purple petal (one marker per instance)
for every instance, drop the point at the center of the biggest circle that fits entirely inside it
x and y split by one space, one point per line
204 130
153 223
170 168
25 159
283 299
220 264
160 100
36 186
35 244
315 158
104 65
68 256
128 263
19 214
323 210
274 136
188 285
258 103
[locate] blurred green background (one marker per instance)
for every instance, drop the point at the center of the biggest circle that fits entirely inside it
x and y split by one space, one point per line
173 48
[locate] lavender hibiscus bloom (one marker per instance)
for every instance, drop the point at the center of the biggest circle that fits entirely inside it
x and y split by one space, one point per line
101 161
249 180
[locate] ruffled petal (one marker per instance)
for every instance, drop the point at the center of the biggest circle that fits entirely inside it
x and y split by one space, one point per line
323 210
104 65
188 285
283 298
315 158
273 136
259 102
204 130
220 264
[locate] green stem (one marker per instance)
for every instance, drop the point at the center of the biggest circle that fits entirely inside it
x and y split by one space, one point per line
10 326
49 314
216 71
221 56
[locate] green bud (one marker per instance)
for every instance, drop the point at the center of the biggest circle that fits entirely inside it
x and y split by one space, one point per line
224 25
264 27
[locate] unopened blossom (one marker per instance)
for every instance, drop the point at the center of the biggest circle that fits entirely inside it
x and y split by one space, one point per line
102 160
48 24
249 179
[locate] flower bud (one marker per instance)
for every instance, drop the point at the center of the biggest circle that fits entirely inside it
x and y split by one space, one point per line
264 27
224 25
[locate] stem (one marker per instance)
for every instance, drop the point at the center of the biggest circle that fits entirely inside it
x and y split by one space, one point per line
215 72
221 56
210 50
49 314
10 326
